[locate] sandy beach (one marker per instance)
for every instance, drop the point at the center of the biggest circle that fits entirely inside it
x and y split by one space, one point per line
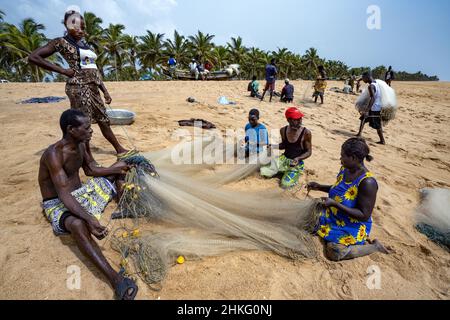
33 262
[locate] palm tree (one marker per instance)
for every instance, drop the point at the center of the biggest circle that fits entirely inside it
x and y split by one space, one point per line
151 50
113 43
93 29
202 45
2 29
102 61
298 69
4 57
178 48
19 43
220 57
254 63
282 56
336 69
291 64
237 50
380 71
124 56
94 37
311 60
131 46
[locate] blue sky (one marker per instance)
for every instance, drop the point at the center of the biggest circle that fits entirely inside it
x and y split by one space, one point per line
411 38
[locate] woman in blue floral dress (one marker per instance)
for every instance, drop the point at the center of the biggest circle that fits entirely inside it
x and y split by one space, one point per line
346 220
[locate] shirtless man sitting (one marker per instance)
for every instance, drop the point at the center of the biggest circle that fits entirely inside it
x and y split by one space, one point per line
74 208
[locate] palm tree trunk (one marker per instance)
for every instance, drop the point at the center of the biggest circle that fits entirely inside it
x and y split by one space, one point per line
35 73
115 65
136 75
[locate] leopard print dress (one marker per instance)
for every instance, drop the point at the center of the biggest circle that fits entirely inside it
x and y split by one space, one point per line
83 88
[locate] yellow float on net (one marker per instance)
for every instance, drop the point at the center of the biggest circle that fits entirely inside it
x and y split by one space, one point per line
180 260
129 186
124 263
136 233
125 234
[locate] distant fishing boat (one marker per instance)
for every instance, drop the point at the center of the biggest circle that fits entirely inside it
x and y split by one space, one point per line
228 73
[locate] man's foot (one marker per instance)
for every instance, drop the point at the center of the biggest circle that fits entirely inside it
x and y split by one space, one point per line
380 247
126 289
381 142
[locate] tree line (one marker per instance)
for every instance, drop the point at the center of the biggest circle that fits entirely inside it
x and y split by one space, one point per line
125 57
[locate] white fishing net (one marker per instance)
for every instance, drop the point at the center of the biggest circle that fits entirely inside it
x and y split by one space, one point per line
434 209
199 216
388 101
432 216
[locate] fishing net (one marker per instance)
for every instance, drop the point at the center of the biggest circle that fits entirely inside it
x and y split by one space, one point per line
307 98
197 215
433 215
388 101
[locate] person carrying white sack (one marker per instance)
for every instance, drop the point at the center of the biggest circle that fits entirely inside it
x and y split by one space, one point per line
372 113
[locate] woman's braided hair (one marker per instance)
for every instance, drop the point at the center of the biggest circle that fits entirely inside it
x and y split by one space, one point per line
358 148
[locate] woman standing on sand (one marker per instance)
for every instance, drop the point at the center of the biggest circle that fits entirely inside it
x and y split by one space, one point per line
346 221
84 80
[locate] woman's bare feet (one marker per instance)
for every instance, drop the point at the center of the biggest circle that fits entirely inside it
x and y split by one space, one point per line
380 247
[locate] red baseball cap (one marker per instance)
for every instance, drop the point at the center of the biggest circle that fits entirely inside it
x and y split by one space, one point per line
294 113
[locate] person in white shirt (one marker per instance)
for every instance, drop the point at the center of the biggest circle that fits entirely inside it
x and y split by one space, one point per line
193 67
372 113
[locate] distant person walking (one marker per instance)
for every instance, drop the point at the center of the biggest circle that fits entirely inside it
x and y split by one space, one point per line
271 73
372 113
389 76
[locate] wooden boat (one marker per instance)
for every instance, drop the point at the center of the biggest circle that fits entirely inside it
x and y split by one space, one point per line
213 76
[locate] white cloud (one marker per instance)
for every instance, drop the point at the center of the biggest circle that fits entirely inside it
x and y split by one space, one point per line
154 8
110 11
136 15
163 26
